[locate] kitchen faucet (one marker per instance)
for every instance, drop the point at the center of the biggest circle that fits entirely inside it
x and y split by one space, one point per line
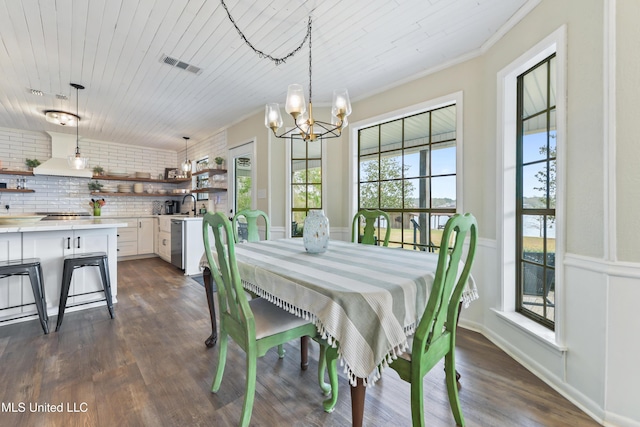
194 202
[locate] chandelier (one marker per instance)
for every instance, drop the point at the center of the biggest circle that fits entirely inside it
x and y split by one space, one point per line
77 161
306 127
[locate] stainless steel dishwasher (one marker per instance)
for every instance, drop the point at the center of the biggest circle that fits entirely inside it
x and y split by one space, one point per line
177 255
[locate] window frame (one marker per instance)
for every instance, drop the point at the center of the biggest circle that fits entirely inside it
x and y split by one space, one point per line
455 98
506 79
429 147
521 210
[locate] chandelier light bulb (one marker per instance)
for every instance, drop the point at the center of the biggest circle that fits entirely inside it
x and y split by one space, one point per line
295 101
341 104
272 116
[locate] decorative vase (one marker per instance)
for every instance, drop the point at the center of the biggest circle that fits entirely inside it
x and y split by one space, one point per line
315 234
97 211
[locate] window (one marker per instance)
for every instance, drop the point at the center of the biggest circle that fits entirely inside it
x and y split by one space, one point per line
536 192
306 181
202 180
407 167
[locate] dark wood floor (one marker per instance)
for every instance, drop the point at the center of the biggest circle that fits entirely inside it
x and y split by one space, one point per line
149 367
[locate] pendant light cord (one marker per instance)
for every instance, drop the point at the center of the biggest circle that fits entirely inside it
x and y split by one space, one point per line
260 53
78 123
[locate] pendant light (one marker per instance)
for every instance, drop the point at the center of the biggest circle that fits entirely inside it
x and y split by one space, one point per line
186 165
77 161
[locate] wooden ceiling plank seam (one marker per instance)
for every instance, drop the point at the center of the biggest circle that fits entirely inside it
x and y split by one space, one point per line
110 84
161 22
78 31
63 19
135 86
201 33
48 18
14 37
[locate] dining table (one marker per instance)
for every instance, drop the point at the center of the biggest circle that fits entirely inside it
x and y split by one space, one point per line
365 300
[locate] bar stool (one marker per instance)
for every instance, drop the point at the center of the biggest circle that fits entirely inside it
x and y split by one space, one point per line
29 267
71 263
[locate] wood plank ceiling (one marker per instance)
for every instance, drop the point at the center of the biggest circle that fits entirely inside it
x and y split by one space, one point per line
114 48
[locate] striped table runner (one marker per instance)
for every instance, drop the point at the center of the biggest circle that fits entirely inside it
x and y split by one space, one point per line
365 299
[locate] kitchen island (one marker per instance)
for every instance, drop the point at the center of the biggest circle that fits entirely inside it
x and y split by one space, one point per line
51 241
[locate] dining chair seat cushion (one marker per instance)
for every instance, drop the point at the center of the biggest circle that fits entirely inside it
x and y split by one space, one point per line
271 319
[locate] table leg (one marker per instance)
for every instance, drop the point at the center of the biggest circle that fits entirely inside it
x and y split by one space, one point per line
208 286
304 353
358 393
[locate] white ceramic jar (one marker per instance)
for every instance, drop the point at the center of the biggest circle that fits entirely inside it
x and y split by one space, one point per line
315 234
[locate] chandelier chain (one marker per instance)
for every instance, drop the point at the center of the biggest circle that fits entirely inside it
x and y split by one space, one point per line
262 54
309 33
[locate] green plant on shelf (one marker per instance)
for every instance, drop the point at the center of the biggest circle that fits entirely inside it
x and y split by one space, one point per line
32 163
98 170
95 186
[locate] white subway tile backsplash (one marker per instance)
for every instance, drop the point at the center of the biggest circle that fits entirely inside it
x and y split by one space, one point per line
62 194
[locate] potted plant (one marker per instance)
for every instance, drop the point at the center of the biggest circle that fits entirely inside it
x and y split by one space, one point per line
95 186
32 163
98 170
97 206
219 161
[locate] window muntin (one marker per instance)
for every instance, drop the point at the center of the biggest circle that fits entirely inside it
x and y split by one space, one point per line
306 181
536 193
407 167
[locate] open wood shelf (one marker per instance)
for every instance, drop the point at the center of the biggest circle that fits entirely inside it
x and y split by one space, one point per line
15 190
113 194
211 172
209 190
126 178
10 172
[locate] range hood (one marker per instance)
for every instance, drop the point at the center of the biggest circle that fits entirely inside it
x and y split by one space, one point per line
62 146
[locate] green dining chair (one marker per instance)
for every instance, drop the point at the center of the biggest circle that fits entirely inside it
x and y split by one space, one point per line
256 325
251 216
435 336
369 235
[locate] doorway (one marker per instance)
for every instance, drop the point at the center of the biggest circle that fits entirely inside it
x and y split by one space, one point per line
242 182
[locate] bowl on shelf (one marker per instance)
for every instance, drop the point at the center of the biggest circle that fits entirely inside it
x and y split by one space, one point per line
162 191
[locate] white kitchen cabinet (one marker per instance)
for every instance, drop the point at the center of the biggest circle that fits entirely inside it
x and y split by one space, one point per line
146 235
164 237
14 290
128 238
52 246
137 238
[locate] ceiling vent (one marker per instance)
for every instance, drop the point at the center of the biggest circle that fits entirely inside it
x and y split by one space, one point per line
180 64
